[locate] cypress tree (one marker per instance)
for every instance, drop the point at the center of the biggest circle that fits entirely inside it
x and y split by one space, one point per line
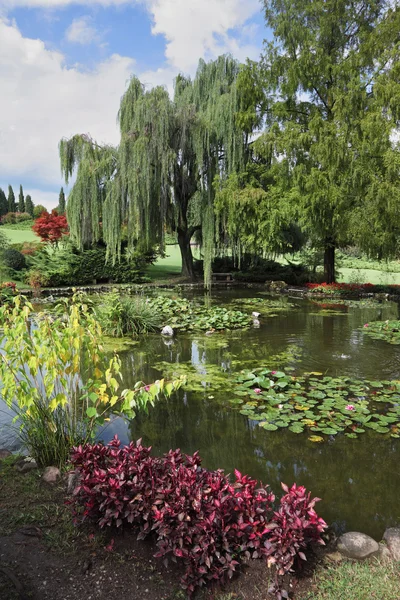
12 207
61 202
29 206
3 203
21 200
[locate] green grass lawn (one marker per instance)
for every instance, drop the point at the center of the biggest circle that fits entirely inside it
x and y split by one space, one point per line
18 236
356 581
170 265
355 275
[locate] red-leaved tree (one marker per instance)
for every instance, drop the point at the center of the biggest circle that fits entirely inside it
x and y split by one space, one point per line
50 227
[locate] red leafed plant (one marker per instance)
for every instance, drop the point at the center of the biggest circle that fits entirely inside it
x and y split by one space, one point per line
198 517
50 227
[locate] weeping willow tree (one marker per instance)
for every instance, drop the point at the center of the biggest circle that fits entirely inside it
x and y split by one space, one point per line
161 177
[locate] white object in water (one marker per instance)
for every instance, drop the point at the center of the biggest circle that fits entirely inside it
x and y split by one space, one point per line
167 330
256 314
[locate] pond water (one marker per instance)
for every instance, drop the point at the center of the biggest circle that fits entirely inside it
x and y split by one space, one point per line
358 479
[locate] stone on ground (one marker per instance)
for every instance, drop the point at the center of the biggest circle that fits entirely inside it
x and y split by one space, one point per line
357 545
51 474
167 330
392 539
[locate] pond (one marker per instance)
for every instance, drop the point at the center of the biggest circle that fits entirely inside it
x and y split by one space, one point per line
358 479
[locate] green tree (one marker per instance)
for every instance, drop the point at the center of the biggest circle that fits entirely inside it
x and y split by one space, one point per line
161 175
21 200
38 210
331 74
12 206
29 207
3 203
61 202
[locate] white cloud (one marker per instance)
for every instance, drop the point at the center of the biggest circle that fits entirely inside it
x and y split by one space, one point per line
200 28
81 31
42 101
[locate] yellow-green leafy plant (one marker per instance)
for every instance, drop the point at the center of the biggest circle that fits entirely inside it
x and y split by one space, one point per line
58 380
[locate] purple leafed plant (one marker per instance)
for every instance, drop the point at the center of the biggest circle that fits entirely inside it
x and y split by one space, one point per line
198 517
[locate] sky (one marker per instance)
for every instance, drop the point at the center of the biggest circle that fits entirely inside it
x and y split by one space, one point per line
64 65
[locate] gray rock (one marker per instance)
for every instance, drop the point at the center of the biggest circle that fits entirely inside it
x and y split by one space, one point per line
73 482
384 553
4 453
167 330
392 539
357 545
51 475
256 314
26 465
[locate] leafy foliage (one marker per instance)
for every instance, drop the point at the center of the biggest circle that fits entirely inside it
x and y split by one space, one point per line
13 259
38 210
69 266
129 315
29 206
198 517
389 331
322 405
51 227
186 315
57 380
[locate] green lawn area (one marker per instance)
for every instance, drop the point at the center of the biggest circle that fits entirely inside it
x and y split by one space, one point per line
170 265
356 581
368 276
17 236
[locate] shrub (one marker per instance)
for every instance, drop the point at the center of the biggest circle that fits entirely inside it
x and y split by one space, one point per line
131 316
69 266
51 227
38 211
13 259
197 516
56 378
8 290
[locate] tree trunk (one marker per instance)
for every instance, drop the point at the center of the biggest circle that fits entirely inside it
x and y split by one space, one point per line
186 254
329 261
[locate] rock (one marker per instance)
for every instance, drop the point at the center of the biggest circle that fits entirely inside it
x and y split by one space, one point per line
256 314
167 330
357 545
51 475
72 482
384 553
4 453
392 539
211 332
26 465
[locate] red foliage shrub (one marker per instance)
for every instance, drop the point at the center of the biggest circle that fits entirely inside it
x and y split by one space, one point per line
198 516
50 227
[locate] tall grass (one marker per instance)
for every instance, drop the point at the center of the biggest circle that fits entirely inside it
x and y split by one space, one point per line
130 316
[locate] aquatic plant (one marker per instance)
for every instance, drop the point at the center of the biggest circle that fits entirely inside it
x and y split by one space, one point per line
389 331
186 315
127 315
56 378
323 405
198 517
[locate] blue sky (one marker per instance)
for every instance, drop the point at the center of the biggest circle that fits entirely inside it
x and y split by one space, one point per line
64 65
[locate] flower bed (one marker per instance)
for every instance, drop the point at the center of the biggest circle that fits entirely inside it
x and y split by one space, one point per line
199 518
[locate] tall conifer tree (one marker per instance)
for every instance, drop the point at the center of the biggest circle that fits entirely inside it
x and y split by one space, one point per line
332 73
3 203
21 200
61 202
12 206
29 206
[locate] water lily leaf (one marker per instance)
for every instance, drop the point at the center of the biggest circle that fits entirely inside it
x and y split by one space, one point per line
269 426
316 439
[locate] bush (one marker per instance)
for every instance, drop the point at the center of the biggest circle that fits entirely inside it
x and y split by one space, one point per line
69 266
131 316
13 259
13 218
197 516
